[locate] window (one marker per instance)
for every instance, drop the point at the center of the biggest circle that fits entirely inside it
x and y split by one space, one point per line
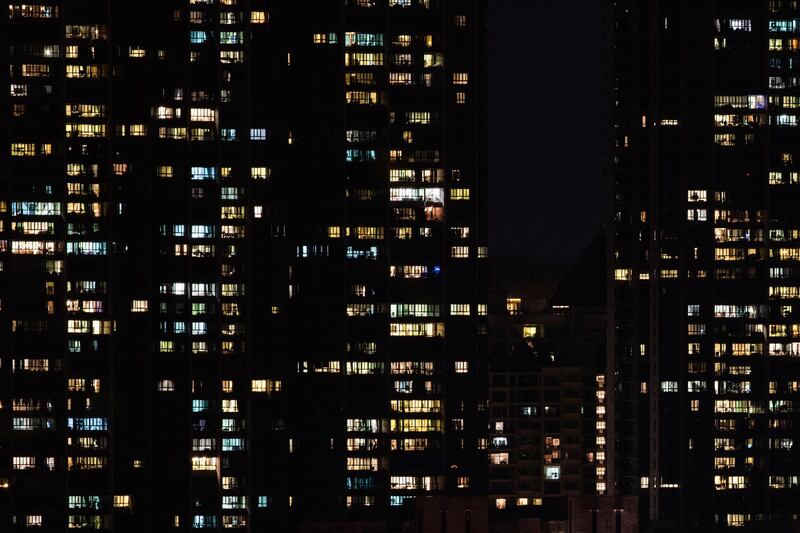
422 329
166 385
514 306
197 36
23 149
459 194
363 59
414 310
552 473
33 12
459 309
260 173
461 367
459 252
23 463
204 463
499 458
123 501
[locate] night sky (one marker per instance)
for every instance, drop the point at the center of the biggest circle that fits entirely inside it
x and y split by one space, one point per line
548 116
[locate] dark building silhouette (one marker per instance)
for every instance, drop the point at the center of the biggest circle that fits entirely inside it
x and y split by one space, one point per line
547 399
703 251
242 262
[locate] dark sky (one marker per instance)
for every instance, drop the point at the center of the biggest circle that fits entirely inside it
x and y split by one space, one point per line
548 113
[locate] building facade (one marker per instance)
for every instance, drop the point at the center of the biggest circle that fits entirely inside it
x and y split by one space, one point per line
547 400
243 247
703 285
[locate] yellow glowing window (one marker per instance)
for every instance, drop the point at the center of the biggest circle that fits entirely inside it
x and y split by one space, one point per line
164 171
459 252
368 232
514 306
204 463
459 194
459 309
400 78
529 331
23 149
432 60
324 38
623 274
412 425
363 59
202 114
122 501
260 173
86 71
362 97
424 329
137 130
85 130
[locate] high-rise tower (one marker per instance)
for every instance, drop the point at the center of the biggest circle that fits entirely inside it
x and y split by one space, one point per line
704 280
242 253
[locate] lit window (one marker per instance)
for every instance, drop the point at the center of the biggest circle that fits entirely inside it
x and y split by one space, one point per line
459 252
552 473
459 194
623 274
204 463
514 306
459 309
122 501
499 458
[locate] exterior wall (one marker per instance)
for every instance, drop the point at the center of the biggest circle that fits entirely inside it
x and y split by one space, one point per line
243 277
